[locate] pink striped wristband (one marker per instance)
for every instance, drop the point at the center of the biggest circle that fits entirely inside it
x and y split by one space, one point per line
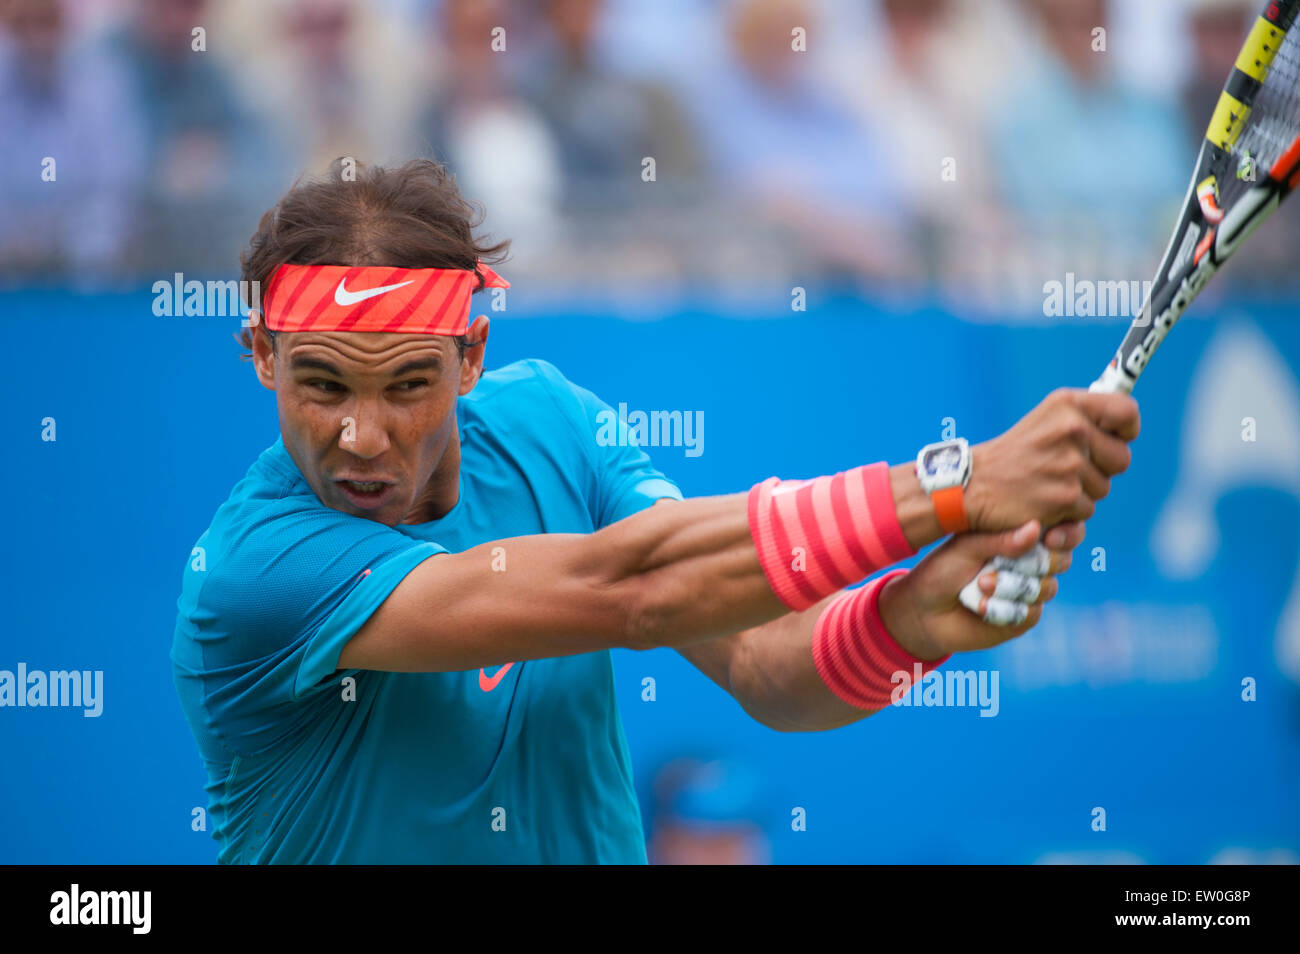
855 655
815 537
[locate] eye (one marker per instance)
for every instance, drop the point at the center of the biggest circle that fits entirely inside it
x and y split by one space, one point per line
326 385
409 386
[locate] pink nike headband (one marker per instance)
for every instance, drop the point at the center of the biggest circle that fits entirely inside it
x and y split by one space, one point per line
431 301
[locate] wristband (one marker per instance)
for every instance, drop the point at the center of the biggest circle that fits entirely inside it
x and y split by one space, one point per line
857 658
950 508
815 537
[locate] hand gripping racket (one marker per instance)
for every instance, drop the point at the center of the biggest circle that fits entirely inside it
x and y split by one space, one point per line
1248 163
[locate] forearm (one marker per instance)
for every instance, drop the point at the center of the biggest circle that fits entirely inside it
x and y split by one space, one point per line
770 669
685 571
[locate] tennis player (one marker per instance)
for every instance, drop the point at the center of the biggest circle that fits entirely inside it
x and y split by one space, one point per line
392 642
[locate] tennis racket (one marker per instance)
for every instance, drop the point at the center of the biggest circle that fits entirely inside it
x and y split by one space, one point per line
1248 163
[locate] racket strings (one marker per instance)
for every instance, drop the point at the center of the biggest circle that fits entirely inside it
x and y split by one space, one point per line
1274 118
1268 130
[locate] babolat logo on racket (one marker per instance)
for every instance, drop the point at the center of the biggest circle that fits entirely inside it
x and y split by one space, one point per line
1188 289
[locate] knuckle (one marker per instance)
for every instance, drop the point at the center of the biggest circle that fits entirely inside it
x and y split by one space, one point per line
1077 428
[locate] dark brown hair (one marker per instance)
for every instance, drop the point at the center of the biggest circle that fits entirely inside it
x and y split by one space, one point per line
412 216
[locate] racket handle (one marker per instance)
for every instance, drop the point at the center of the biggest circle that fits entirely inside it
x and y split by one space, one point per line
1113 380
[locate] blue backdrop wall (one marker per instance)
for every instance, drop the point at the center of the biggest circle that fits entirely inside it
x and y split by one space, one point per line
1128 697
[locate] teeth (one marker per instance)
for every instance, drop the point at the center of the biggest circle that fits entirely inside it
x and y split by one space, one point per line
365 487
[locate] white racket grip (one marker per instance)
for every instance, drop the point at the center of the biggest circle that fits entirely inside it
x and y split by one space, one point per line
1034 563
998 611
1113 380
1019 581
1017 586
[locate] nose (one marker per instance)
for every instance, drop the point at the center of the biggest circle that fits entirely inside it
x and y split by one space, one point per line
363 432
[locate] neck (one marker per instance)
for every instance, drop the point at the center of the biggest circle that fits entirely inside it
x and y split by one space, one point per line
443 489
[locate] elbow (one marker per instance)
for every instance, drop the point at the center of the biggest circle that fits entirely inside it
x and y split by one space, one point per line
652 612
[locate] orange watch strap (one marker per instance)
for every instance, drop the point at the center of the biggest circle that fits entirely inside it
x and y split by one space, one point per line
950 507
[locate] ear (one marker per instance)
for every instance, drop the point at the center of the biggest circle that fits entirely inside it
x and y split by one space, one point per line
471 368
263 356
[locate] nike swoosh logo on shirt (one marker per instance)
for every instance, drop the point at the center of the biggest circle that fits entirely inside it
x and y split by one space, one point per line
488 683
346 298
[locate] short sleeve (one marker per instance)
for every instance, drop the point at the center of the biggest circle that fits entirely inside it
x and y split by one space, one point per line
265 615
627 482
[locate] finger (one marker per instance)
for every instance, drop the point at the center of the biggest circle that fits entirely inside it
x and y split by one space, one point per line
992 609
1083 508
1011 543
1095 484
1049 590
1004 612
1110 453
1044 589
1065 536
971 597
1037 590
1113 412
1012 585
1037 562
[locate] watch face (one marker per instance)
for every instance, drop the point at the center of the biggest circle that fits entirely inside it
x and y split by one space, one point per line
943 460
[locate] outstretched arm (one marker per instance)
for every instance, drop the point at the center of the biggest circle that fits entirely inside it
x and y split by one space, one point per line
708 567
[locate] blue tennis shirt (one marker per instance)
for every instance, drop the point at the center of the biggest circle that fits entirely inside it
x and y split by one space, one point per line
310 764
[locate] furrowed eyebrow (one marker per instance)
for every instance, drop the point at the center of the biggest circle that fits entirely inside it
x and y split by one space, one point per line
318 363
420 364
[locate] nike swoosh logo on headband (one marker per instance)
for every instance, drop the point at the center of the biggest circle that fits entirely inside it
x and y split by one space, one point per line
346 298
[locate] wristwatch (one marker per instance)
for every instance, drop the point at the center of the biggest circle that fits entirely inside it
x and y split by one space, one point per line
944 471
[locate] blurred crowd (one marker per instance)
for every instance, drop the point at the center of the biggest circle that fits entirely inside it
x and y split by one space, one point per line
973 148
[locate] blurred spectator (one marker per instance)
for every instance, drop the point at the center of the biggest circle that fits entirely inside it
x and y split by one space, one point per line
1078 153
209 164
707 813
915 73
935 144
497 142
779 138
336 77
604 125
70 156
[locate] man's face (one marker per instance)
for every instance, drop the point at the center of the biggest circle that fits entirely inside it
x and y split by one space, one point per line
369 417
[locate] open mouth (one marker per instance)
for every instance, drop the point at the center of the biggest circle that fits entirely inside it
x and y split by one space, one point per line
365 493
